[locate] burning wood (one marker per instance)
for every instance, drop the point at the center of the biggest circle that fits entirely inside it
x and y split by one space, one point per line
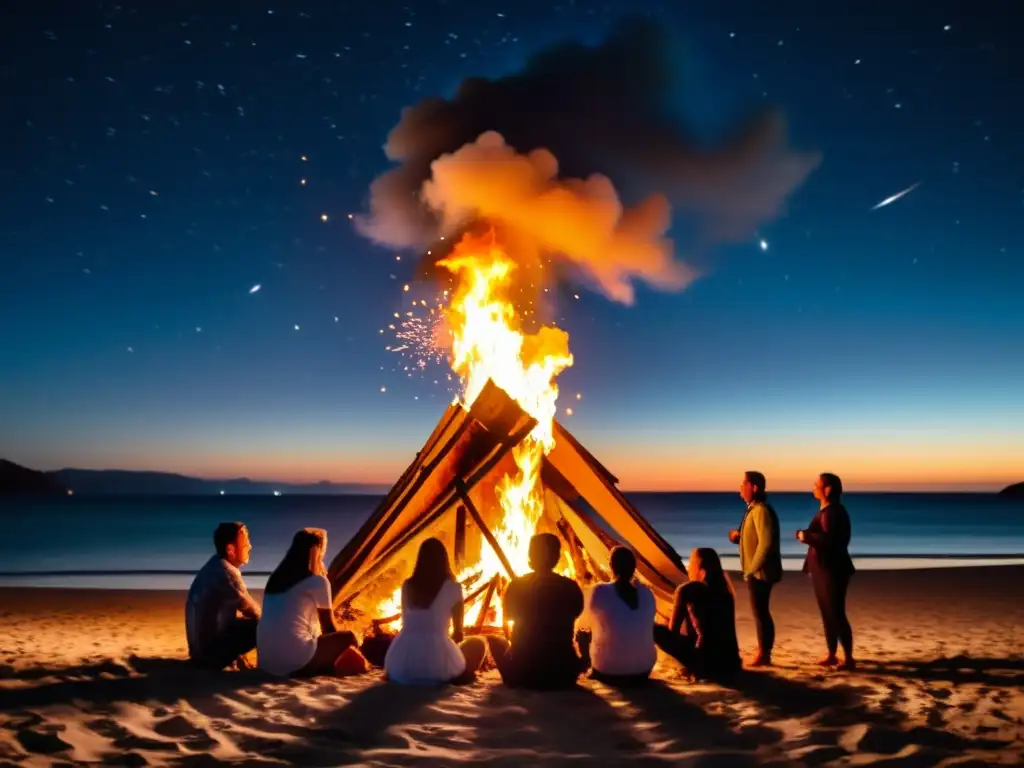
496 470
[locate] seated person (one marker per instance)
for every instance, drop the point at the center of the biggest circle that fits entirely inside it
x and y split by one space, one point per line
423 653
620 617
297 634
543 607
705 610
220 615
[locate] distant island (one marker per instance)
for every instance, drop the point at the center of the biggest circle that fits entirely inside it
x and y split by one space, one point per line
1015 491
16 479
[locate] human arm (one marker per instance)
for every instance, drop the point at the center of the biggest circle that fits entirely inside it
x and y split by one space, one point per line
244 602
510 603
458 617
765 528
324 606
679 610
695 622
835 527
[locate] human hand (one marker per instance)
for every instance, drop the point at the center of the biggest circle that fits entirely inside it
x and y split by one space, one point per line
457 636
800 536
734 536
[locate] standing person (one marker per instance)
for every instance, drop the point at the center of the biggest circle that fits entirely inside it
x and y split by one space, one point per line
220 614
830 566
760 560
298 635
423 653
702 635
543 607
620 617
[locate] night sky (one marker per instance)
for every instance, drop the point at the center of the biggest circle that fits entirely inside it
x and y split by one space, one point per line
163 159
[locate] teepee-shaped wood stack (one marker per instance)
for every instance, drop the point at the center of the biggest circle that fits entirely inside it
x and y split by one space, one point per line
449 492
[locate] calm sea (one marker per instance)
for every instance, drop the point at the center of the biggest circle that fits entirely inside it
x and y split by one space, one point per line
161 541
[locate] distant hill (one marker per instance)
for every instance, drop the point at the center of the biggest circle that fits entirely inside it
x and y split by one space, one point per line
15 478
122 482
1015 491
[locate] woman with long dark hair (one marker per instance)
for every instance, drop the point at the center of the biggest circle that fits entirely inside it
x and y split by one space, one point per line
423 653
620 617
297 634
830 567
702 635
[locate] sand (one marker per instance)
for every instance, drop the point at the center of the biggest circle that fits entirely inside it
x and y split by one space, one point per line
96 676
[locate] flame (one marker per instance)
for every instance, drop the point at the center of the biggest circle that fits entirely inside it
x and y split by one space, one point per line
489 342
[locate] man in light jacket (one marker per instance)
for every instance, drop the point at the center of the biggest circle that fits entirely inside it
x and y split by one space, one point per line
760 560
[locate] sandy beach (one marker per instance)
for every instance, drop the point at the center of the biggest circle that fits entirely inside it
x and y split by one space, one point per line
98 676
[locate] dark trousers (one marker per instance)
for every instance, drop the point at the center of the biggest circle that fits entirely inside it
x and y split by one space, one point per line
237 638
710 663
760 604
830 591
519 673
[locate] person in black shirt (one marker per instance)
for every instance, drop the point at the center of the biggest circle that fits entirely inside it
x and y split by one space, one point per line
830 566
702 636
543 607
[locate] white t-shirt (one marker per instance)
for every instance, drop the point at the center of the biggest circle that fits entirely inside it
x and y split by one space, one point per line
623 638
290 625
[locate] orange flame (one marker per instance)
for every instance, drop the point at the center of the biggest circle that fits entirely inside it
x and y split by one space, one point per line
488 342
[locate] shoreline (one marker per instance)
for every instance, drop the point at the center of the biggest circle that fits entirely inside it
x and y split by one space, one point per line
175 580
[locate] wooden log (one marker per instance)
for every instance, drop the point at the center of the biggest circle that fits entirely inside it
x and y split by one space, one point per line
460 537
479 439
596 485
485 606
466 601
488 536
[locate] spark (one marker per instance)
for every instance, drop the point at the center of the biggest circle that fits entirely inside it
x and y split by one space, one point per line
764 245
255 288
893 198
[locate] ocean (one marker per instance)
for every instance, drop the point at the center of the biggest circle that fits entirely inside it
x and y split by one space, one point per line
157 543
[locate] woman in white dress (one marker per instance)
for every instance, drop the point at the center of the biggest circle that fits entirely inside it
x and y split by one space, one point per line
296 634
423 653
620 617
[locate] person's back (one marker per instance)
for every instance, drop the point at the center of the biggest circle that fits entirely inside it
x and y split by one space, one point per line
287 636
545 606
622 635
542 607
715 614
423 653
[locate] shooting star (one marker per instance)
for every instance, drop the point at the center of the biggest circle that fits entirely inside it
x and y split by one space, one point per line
893 198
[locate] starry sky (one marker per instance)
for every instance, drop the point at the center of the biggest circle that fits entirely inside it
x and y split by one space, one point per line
164 159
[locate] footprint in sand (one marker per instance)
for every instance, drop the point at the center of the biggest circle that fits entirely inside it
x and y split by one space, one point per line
123 739
40 742
177 727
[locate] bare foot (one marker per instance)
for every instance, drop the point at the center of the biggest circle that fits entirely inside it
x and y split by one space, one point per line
760 660
848 664
828 661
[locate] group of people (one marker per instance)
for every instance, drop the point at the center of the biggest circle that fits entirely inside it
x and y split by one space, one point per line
558 631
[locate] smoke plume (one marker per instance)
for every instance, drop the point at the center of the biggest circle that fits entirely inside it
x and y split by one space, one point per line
604 113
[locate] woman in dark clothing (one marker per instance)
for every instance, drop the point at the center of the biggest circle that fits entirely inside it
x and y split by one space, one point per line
829 564
702 636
